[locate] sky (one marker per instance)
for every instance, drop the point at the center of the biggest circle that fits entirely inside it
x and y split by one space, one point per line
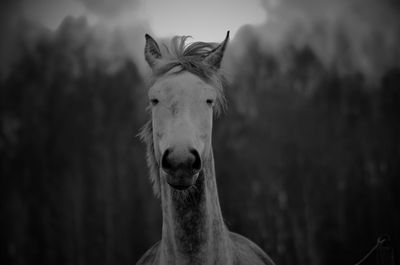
205 20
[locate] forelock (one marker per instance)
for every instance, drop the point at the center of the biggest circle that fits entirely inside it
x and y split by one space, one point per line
189 58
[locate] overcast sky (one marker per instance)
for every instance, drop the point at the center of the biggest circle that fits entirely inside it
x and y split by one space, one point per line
205 20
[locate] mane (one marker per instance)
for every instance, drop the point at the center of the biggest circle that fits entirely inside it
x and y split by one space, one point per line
146 136
189 58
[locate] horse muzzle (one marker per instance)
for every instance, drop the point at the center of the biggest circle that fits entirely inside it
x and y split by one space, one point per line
181 167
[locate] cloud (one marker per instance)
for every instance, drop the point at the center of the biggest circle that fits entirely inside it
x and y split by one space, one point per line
350 36
50 13
109 8
24 22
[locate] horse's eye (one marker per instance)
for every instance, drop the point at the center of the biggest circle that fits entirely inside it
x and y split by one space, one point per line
210 102
154 101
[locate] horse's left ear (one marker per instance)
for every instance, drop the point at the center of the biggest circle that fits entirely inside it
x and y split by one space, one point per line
214 58
152 52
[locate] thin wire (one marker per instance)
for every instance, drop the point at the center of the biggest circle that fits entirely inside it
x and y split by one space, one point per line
379 242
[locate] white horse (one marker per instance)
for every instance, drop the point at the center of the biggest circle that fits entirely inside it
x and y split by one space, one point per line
184 95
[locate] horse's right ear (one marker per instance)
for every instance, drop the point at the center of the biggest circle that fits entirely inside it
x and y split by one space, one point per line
152 52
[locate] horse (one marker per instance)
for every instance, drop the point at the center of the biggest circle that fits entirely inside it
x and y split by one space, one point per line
185 93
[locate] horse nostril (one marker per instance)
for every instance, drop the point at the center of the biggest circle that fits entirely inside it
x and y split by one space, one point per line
196 165
165 162
172 163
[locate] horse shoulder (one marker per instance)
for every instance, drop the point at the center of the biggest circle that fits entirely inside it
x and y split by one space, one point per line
247 252
152 255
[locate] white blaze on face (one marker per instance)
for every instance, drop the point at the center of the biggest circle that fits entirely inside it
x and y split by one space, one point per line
182 113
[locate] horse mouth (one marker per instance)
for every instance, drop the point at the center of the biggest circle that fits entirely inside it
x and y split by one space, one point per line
179 182
180 187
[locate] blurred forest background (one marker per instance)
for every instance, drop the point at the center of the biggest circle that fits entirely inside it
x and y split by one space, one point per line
307 153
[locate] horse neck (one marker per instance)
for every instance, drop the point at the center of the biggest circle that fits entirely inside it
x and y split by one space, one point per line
193 230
